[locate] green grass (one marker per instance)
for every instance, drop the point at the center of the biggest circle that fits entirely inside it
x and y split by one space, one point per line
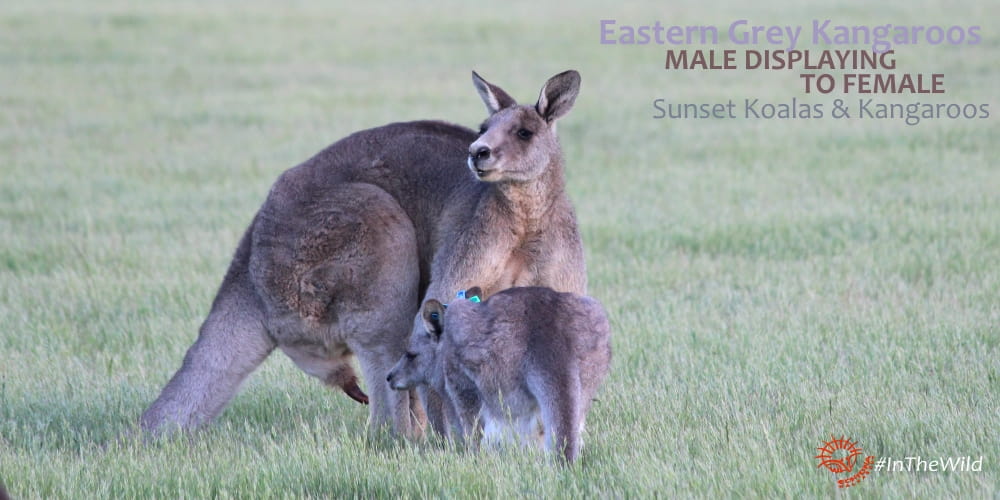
769 283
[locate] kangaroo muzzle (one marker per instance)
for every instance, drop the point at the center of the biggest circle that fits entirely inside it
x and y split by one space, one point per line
479 156
395 381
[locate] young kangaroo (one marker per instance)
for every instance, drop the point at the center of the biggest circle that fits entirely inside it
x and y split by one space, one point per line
524 354
427 207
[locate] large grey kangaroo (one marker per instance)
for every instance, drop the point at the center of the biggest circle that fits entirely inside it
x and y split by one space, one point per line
348 244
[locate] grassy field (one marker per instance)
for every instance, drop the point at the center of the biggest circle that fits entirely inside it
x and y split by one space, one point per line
769 283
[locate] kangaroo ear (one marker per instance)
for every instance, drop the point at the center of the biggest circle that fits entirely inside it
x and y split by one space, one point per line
433 315
474 294
494 97
558 95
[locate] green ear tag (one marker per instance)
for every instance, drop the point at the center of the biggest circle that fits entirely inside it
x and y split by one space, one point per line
475 299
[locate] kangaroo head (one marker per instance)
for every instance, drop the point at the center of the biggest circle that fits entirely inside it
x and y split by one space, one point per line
420 363
417 366
518 142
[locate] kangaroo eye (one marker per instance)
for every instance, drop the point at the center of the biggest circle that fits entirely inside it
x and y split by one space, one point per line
411 355
482 129
525 134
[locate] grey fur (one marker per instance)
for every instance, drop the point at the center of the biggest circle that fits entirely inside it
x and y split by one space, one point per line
525 354
340 254
321 284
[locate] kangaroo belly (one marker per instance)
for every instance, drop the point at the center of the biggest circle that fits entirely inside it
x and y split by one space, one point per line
337 271
509 408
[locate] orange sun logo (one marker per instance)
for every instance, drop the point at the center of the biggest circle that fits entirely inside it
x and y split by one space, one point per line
840 456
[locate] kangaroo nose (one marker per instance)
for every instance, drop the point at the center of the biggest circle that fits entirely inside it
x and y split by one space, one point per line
483 153
388 378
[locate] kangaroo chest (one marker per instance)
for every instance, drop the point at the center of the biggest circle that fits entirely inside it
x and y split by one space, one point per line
524 263
518 270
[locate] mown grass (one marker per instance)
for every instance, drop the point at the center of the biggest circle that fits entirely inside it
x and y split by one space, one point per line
769 283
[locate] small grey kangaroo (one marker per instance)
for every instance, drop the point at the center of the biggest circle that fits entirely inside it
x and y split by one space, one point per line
349 243
525 353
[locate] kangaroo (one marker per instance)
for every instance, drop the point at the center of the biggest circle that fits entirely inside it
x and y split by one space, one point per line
524 354
426 206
